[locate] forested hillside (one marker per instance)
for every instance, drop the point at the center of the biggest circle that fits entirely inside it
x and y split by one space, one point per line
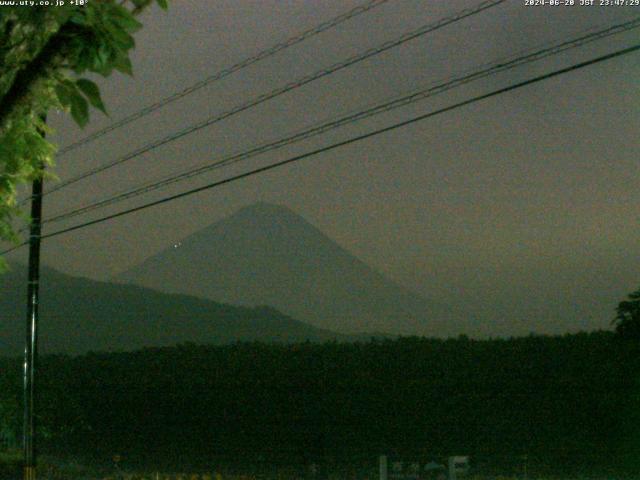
569 403
78 315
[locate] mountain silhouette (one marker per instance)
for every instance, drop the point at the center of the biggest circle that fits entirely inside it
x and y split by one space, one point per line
79 315
266 254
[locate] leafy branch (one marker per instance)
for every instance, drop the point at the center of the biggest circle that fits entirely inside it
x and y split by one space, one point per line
44 52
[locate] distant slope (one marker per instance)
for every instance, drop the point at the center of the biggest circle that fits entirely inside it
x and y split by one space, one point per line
267 254
79 315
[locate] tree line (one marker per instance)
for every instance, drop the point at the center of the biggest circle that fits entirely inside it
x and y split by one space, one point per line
563 402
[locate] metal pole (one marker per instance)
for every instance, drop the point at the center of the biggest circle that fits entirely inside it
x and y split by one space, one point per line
383 467
31 345
452 468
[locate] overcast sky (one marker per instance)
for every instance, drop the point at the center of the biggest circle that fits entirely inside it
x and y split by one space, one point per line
526 205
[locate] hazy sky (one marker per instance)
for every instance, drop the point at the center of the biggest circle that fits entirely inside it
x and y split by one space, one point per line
526 205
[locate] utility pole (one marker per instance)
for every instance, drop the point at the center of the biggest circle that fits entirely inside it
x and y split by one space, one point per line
31 344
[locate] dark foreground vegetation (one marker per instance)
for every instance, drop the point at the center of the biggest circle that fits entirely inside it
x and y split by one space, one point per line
568 405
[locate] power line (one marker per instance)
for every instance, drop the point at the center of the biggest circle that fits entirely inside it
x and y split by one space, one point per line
329 24
351 140
425 29
529 56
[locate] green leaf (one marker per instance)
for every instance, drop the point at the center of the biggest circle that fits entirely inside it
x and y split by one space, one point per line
79 109
163 4
123 64
86 57
92 92
90 14
78 18
121 38
101 62
125 19
62 15
64 96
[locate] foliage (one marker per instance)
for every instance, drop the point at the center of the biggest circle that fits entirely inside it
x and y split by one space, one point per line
627 319
569 403
9 415
10 412
44 51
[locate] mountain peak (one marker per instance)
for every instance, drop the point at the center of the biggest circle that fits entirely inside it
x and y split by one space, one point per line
264 211
265 208
266 254
262 224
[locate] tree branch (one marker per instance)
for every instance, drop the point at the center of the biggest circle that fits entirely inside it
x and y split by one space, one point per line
26 79
50 58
